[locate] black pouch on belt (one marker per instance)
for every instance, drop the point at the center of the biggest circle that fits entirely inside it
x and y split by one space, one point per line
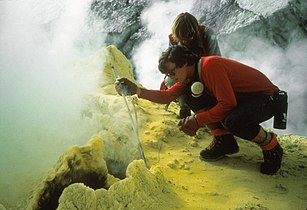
280 98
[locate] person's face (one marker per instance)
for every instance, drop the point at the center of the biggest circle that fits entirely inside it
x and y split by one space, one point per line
178 74
186 41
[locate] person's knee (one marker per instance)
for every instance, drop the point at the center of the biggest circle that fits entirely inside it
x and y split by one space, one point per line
246 130
231 124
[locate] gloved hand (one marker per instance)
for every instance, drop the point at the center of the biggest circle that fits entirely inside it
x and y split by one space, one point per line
189 125
125 87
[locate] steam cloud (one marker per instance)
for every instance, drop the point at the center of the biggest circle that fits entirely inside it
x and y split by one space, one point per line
41 86
146 56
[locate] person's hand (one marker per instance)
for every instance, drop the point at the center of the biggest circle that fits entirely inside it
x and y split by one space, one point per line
124 86
189 125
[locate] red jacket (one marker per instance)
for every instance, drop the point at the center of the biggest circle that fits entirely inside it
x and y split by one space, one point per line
224 79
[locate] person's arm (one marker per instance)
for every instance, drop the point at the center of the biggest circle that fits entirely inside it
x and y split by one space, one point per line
156 96
161 96
211 42
124 86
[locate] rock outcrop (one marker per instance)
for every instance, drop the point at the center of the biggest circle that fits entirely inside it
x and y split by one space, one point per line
279 22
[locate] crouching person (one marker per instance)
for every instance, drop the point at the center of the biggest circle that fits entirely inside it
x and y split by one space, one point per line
233 96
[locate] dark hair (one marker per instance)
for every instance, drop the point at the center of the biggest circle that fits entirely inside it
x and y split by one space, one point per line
178 54
184 26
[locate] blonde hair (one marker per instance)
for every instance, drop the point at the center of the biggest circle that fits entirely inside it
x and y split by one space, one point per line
184 26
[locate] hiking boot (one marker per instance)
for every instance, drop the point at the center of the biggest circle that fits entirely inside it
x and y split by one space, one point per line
272 160
219 147
184 112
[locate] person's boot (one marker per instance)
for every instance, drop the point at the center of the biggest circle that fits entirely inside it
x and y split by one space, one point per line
272 158
184 112
219 148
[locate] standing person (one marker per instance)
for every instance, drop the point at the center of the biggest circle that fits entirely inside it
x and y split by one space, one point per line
200 39
237 95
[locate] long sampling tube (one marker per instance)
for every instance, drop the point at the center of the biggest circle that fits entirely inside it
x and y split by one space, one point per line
133 122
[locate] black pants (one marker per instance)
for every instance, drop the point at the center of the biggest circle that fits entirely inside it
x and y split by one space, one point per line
244 120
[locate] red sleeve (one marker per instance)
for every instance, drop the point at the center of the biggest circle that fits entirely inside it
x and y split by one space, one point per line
216 78
162 96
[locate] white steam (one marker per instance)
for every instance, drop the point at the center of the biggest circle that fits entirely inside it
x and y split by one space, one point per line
41 86
158 19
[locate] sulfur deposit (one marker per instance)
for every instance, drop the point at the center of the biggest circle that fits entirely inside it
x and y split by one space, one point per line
105 112
78 165
142 189
115 58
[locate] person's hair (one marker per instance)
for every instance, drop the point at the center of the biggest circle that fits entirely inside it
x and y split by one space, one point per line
184 26
178 54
